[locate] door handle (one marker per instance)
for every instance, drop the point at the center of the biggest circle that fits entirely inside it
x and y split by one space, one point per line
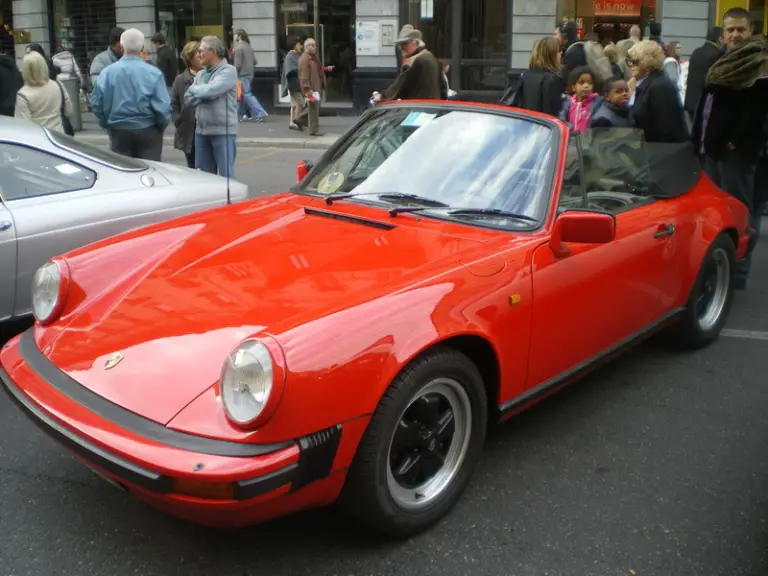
5 226
667 230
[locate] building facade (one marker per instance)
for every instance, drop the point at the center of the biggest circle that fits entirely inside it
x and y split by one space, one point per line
485 41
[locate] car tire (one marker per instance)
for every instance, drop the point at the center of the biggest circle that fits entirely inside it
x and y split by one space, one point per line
711 297
384 489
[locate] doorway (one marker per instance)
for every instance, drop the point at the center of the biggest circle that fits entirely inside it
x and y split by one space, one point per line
332 24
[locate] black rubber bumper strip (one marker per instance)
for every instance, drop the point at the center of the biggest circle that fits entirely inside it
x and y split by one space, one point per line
130 420
152 481
109 462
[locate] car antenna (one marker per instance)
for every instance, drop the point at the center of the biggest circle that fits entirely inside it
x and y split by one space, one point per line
226 144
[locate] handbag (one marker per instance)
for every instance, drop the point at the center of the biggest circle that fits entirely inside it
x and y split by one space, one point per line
66 124
514 94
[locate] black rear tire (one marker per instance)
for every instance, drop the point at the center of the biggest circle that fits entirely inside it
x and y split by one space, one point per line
372 493
710 300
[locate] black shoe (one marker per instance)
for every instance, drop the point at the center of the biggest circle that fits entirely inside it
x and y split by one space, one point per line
317 133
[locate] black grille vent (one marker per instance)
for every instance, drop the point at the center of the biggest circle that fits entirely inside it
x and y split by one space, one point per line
317 452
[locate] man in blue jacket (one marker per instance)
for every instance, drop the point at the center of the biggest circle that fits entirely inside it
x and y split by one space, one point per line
132 103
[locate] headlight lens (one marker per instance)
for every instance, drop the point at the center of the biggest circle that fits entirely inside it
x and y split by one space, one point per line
246 381
48 292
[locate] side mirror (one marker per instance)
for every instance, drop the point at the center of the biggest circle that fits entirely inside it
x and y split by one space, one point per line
581 227
302 169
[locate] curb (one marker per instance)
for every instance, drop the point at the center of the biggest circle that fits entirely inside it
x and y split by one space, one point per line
319 143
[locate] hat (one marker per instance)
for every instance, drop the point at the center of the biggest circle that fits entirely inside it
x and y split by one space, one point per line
407 35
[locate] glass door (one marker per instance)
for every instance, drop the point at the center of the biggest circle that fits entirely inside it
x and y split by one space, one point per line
484 47
332 24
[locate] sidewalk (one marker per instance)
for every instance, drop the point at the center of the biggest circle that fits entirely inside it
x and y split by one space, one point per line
272 133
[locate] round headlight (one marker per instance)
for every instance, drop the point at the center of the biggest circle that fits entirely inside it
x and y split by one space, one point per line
246 382
48 292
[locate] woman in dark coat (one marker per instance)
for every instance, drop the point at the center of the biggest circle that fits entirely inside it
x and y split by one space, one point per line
542 86
656 105
184 116
53 70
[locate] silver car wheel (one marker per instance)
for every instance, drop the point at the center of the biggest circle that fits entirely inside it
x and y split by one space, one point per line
429 444
713 292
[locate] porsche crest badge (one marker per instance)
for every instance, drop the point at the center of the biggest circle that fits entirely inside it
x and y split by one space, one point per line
113 361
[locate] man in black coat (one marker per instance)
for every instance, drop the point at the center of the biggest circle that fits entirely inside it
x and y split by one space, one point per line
728 128
167 61
574 55
698 67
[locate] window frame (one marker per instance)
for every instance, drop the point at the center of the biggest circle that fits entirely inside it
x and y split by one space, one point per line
343 143
52 155
644 200
59 146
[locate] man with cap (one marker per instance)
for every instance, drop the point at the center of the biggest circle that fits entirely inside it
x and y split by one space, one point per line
421 75
398 50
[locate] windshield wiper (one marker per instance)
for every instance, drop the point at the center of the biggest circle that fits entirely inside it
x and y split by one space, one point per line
389 196
494 212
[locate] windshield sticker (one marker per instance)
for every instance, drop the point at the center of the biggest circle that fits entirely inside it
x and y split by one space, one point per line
67 169
417 119
330 183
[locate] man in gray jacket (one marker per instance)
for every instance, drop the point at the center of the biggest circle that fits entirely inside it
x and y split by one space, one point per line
214 95
244 63
109 56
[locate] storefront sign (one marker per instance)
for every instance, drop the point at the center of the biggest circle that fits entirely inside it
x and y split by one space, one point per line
628 8
367 38
293 8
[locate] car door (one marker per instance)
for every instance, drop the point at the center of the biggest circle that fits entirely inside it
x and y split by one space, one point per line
60 202
7 261
601 295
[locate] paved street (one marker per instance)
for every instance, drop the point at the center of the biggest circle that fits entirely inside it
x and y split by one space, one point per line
655 466
265 170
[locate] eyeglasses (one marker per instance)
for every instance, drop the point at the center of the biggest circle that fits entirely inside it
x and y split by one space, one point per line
631 62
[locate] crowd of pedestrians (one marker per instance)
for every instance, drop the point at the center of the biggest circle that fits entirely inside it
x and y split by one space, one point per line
717 101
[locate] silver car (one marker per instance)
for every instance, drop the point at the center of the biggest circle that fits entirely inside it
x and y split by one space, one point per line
58 193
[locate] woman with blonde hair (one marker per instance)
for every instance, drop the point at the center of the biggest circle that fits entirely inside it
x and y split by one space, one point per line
184 116
656 104
541 88
42 100
622 50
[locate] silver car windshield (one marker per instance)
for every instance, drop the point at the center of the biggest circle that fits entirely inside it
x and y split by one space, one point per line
100 155
456 159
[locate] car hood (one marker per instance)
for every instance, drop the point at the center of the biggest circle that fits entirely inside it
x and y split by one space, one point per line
266 265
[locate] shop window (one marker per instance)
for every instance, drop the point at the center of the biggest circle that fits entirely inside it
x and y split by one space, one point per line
82 29
611 20
484 45
335 33
434 20
182 20
759 16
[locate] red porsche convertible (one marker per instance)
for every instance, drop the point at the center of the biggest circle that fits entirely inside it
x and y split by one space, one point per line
442 267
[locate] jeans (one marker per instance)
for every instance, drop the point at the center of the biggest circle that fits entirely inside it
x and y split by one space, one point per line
216 154
145 143
250 101
737 177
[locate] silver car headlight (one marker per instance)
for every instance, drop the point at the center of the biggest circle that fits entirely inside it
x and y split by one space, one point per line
246 382
49 291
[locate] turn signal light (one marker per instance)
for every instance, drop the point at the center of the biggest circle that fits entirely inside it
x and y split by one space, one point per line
208 490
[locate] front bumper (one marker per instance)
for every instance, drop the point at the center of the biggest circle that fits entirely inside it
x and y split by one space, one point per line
153 461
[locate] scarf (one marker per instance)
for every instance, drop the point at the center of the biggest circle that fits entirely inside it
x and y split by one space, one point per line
740 68
580 113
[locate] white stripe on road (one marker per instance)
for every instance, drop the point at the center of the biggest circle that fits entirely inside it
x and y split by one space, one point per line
748 334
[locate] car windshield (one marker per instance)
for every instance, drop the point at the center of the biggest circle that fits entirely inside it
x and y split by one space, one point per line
100 155
493 169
